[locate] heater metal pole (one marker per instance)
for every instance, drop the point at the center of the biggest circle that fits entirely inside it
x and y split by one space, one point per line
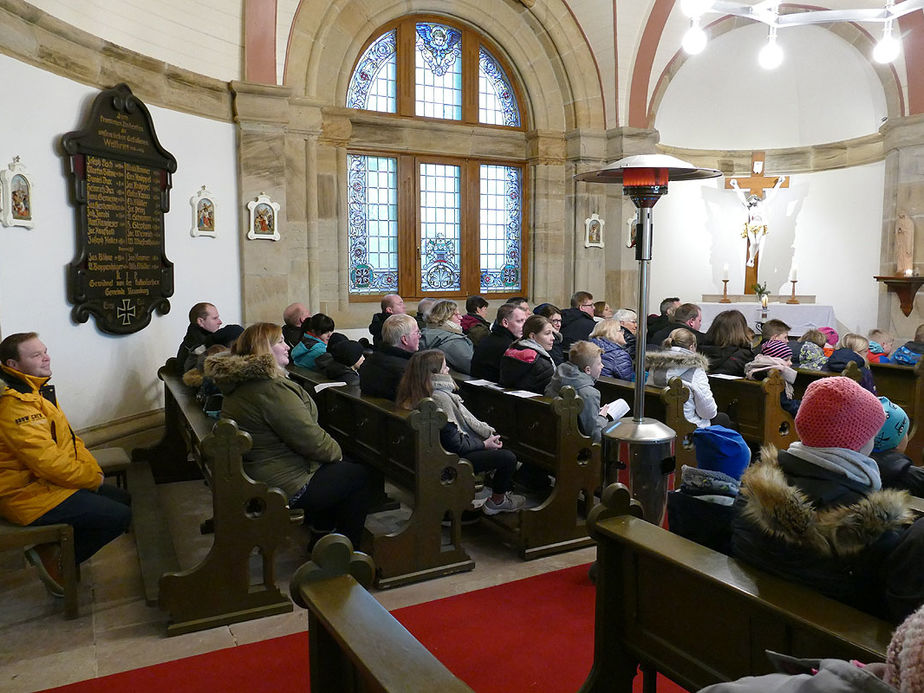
643 254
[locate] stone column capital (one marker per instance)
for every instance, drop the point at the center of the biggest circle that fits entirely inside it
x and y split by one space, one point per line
264 104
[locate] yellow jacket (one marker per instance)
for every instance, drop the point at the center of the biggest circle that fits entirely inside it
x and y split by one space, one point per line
42 461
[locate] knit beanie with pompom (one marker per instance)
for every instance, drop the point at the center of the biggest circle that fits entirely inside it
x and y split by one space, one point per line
905 656
837 413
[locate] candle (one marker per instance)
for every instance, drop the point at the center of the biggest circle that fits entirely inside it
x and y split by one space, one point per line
763 301
793 273
725 271
909 272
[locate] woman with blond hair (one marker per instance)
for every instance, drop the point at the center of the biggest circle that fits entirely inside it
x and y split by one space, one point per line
427 375
617 363
290 450
443 331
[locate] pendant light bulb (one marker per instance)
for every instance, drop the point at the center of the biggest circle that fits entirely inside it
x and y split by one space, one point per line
771 55
888 47
694 41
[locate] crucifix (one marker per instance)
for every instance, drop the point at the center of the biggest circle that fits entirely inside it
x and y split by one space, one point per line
755 229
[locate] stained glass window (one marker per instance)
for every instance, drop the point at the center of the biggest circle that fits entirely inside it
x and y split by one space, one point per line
373 85
454 226
373 224
497 104
500 228
440 228
438 72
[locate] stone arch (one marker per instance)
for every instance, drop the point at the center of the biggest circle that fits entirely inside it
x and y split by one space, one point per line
849 32
545 47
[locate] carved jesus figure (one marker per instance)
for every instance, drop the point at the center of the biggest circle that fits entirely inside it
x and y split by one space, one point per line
755 230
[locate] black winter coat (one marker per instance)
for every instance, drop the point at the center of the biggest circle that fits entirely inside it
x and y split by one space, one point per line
576 326
487 354
381 372
727 360
524 368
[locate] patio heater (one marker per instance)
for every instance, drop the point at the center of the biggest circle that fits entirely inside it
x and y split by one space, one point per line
644 441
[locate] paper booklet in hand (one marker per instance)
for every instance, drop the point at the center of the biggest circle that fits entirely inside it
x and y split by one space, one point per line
615 409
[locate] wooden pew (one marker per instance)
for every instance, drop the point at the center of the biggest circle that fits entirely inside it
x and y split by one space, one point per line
904 386
354 644
805 377
665 405
405 447
247 516
544 431
754 407
700 617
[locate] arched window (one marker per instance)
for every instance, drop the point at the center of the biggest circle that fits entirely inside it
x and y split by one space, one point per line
435 224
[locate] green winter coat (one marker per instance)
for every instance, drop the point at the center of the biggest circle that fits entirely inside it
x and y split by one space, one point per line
279 415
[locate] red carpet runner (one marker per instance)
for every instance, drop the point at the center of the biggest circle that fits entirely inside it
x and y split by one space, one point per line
528 635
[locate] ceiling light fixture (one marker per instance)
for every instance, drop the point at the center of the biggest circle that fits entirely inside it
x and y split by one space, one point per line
771 55
694 41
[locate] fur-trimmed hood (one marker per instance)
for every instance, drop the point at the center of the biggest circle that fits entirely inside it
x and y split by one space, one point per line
786 513
228 371
675 357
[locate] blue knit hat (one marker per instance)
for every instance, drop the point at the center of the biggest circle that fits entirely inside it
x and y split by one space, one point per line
894 428
720 449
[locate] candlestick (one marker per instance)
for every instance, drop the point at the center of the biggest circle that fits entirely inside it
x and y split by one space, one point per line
793 299
725 298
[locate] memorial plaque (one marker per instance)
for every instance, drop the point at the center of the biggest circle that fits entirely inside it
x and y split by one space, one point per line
121 189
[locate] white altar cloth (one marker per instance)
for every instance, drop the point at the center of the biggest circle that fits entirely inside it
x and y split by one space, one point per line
801 317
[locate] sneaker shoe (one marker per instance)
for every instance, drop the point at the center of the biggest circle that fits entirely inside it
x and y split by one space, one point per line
511 503
480 497
47 561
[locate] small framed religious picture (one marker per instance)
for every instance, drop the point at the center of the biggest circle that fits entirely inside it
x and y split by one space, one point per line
593 231
264 218
16 199
203 213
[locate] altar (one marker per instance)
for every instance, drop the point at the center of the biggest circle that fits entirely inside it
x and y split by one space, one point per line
801 317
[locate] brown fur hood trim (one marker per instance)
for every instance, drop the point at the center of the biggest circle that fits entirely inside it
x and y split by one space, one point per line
676 359
784 512
229 371
192 378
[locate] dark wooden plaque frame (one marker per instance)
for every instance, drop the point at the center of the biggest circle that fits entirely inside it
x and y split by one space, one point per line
121 273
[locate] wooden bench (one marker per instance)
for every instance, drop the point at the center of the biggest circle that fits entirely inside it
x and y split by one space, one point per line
354 644
544 431
664 404
700 617
754 407
248 517
405 447
904 386
806 377
19 537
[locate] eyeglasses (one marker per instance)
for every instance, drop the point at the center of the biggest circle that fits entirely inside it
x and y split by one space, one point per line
555 321
587 305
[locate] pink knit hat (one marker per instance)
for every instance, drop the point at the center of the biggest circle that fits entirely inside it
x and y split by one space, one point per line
837 413
905 656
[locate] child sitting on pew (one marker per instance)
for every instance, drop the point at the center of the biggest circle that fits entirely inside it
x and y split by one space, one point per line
316 332
896 468
880 346
580 371
775 355
811 352
909 353
342 359
817 512
427 375
701 508
852 347
903 671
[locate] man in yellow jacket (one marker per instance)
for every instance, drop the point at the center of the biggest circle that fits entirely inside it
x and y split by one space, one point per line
47 475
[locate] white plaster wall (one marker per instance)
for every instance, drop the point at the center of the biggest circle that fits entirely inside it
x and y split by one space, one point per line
204 36
827 223
824 91
101 377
